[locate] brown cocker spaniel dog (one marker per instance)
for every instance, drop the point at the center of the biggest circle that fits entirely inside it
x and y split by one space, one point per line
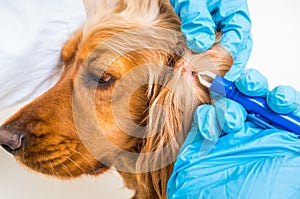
125 99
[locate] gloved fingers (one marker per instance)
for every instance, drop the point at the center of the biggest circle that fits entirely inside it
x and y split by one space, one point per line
230 115
225 115
232 18
196 23
240 61
252 83
207 122
284 99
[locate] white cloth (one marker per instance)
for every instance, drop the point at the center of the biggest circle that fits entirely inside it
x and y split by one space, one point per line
32 33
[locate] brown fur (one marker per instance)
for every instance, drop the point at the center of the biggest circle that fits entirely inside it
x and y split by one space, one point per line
137 121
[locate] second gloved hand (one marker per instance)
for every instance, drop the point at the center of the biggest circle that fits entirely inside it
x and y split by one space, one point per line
225 156
223 114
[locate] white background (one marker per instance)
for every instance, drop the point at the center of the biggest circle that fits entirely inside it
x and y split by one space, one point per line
275 53
276 38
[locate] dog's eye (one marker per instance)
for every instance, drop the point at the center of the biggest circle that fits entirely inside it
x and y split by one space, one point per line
103 80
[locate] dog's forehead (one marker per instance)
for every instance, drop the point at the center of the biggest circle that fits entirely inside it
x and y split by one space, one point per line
127 48
121 41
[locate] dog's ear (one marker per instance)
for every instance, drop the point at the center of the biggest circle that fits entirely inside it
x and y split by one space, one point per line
169 115
71 47
172 102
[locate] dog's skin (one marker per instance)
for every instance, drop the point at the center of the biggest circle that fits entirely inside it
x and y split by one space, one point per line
125 99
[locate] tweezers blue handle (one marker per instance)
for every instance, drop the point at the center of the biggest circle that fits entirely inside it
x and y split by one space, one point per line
257 107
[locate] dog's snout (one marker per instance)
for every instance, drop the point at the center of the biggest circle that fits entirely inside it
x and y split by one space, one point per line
11 141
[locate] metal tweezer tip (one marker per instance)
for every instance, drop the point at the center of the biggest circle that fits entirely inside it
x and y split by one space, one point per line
206 78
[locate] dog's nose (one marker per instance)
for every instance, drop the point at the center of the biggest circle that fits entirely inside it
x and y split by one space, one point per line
11 141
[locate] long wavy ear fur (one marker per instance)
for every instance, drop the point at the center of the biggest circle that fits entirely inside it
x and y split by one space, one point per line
170 114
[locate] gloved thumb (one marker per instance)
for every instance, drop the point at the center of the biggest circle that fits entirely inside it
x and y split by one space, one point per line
225 115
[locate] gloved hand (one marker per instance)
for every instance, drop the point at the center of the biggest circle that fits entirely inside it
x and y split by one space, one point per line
200 19
246 161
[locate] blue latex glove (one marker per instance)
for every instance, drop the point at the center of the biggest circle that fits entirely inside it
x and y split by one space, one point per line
201 18
246 161
282 99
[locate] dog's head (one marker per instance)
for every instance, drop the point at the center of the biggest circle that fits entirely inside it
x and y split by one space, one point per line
125 99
